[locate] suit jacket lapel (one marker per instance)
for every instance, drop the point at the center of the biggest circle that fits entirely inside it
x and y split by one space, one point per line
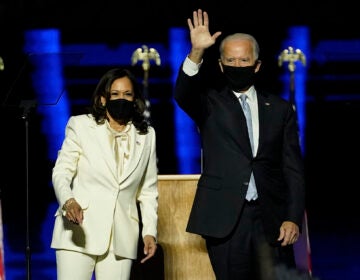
103 137
238 124
137 146
264 108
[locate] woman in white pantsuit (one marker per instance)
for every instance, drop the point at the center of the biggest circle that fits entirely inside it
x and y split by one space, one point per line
106 165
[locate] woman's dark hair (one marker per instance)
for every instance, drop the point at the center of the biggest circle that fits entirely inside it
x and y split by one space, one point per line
98 110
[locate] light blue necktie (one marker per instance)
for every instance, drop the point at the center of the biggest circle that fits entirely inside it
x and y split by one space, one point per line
251 192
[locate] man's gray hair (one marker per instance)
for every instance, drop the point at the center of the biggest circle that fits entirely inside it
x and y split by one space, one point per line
241 36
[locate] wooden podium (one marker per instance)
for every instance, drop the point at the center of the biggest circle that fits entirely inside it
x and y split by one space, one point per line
185 254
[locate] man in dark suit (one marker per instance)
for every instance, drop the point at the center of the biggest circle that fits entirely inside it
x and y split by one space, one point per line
250 198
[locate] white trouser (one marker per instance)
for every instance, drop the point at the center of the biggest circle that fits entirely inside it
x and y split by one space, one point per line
73 265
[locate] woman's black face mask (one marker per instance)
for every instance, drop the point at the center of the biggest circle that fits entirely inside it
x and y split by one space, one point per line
239 78
121 110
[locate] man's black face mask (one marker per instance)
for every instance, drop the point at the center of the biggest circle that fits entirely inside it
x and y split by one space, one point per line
239 78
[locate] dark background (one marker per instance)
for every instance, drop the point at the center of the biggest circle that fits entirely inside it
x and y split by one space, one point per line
333 97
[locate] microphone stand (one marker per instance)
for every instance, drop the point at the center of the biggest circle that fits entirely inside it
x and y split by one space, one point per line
27 105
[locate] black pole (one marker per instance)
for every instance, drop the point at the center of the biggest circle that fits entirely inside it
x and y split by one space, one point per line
292 88
27 105
28 251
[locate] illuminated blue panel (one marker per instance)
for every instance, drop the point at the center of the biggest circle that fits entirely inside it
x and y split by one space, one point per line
187 143
100 54
298 38
44 53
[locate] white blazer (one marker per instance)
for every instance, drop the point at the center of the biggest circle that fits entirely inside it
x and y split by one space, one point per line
86 170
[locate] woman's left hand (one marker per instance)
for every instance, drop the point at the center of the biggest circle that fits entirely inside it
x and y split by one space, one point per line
150 247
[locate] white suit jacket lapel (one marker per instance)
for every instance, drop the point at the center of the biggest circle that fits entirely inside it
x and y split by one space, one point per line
102 135
104 147
136 150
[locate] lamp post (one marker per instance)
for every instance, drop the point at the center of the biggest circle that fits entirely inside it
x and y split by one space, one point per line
291 56
1 64
145 55
302 247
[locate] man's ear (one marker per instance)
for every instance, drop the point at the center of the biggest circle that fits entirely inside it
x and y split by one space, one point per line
221 66
258 64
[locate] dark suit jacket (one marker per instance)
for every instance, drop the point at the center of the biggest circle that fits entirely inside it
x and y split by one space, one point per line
228 161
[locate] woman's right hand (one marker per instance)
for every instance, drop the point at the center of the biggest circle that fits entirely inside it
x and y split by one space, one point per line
74 212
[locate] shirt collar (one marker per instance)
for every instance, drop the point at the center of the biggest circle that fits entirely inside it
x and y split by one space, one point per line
114 132
251 93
